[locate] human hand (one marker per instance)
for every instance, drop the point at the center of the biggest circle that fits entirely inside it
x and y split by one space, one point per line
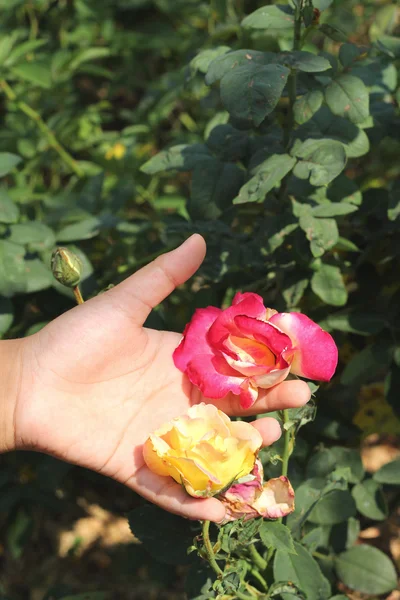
95 383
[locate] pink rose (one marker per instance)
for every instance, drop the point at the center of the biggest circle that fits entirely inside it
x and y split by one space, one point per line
248 346
253 498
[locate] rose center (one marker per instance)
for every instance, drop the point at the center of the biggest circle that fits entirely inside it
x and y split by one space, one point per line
250 350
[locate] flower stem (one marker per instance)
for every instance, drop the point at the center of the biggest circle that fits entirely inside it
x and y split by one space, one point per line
257 575
78 296
258 560
209 550
37 119
292 79
286 444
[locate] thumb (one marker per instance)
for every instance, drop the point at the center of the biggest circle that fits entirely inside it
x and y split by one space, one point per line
141 292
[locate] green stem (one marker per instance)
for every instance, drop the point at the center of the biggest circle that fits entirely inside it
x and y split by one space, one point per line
258 560
286 444
292 79
209 550
78 296
257 575
37 119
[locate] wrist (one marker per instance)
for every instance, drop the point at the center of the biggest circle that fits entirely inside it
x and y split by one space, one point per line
10 379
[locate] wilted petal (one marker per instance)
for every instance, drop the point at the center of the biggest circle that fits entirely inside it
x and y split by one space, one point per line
314 354
276 499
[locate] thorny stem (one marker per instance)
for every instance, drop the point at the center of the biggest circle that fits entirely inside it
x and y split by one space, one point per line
78 296
209 550
257 575
37 119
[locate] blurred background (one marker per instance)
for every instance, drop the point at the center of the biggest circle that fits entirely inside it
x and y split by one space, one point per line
90 91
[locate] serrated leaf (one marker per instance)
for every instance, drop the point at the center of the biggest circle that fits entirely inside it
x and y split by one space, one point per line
336 507
303 571
9 211
333 209
389 473
7 162
320 161
370 500
321 233
367 570
251 92
277 536
304 61
327 283
274 18
306 106
347 96
36 73
268 174
234 59
183 157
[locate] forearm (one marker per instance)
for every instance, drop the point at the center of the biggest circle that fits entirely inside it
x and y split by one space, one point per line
10 378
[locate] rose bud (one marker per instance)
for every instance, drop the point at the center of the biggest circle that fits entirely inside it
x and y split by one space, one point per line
252 498
204 450
66 267
248 346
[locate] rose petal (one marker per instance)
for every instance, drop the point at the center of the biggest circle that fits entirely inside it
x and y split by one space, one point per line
249 304
276 499
272 378
315 354
264 332
194 340
248 394
213 376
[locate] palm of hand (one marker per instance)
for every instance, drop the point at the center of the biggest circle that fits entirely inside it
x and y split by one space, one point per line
99 384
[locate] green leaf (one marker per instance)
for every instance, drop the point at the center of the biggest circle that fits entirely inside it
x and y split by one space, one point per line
214 185
306 106
367 570
319 160
304 61
367 363
267 175
321 233
82 230
333 209
336 507
277 536
394 202
354 321
293 289
347 96
370 500
327 283
155 528
389 473
9 211
227 142
237 58
36 73
271 19
303 571
22 50
88 596
12 268
6 315
348 53
18 532
251 92
7 162
347 458
180 158
38 276
201 62
35 235
333 32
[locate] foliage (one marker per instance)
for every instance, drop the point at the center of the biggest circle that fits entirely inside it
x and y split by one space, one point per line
272 130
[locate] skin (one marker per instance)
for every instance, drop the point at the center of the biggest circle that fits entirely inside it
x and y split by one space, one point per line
93 384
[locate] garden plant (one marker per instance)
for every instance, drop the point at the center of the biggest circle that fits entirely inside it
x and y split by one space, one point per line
273 130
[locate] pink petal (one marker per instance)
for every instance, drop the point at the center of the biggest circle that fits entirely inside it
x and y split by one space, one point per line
194 340
239 297
248 394
213 376
276 499
264 332
315 353
249 304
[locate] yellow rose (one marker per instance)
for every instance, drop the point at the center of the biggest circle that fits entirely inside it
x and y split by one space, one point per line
204 450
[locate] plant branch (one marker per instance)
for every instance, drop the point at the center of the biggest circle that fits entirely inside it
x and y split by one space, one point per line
292 79
78 296
257 575
44 128
258 560
209 550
